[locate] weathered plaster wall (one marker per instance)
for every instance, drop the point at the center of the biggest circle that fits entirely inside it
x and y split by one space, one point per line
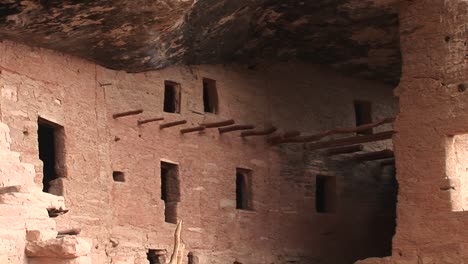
125 219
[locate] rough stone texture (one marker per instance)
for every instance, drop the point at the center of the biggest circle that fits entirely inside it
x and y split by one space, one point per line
65 247
431 141
359 37
80 260
24 219
125 219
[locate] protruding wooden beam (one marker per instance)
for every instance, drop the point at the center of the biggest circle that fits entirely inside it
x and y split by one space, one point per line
350 140
69 232
192 129
290 134
343 150
144 121
171 124
264 132
321 135
128 113
56 212
388 162
285 135
218 124
376 155
234 128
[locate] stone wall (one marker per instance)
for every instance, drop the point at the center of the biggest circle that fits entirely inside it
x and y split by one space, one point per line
430 144
125 219
28 234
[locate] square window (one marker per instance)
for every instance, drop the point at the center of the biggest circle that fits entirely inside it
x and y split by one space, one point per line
156 256
171 97
325 194
170 190
363 114
51 145
244 189
118 176
210 96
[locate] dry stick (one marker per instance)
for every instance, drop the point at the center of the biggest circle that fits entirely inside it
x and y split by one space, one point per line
218 124
175 253
234 128
180 255
350 140
171 124
343 150
321 135
389 162
376 155
192 129
288 134
141 122
128 113
264 132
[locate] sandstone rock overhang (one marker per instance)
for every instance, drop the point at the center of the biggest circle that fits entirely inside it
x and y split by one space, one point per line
358 37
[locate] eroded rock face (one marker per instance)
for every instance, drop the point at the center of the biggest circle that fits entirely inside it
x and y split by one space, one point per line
356 37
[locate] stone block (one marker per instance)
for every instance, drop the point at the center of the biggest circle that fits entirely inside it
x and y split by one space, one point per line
49 201
227 203
13 212
123 260
65 247
40 230
79 260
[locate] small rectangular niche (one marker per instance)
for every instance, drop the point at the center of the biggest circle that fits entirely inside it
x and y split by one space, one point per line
171 97
325 194
363 115
210 96
156 256
51 141
244 189
118 176
170 191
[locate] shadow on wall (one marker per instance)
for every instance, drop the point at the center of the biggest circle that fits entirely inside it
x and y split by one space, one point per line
351 205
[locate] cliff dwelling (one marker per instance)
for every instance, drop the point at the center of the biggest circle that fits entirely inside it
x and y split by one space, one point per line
244 132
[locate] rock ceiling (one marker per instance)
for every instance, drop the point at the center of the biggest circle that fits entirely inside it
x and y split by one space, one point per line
356 37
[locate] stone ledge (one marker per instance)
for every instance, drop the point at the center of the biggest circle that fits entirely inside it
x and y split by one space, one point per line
65 247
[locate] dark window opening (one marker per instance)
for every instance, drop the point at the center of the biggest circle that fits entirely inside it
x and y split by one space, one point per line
50 141
170 190
325 194
243 189
363 114
192 258
210 96
118 176
171 97
156 256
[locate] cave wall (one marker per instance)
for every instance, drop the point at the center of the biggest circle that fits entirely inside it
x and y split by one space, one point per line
125 219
